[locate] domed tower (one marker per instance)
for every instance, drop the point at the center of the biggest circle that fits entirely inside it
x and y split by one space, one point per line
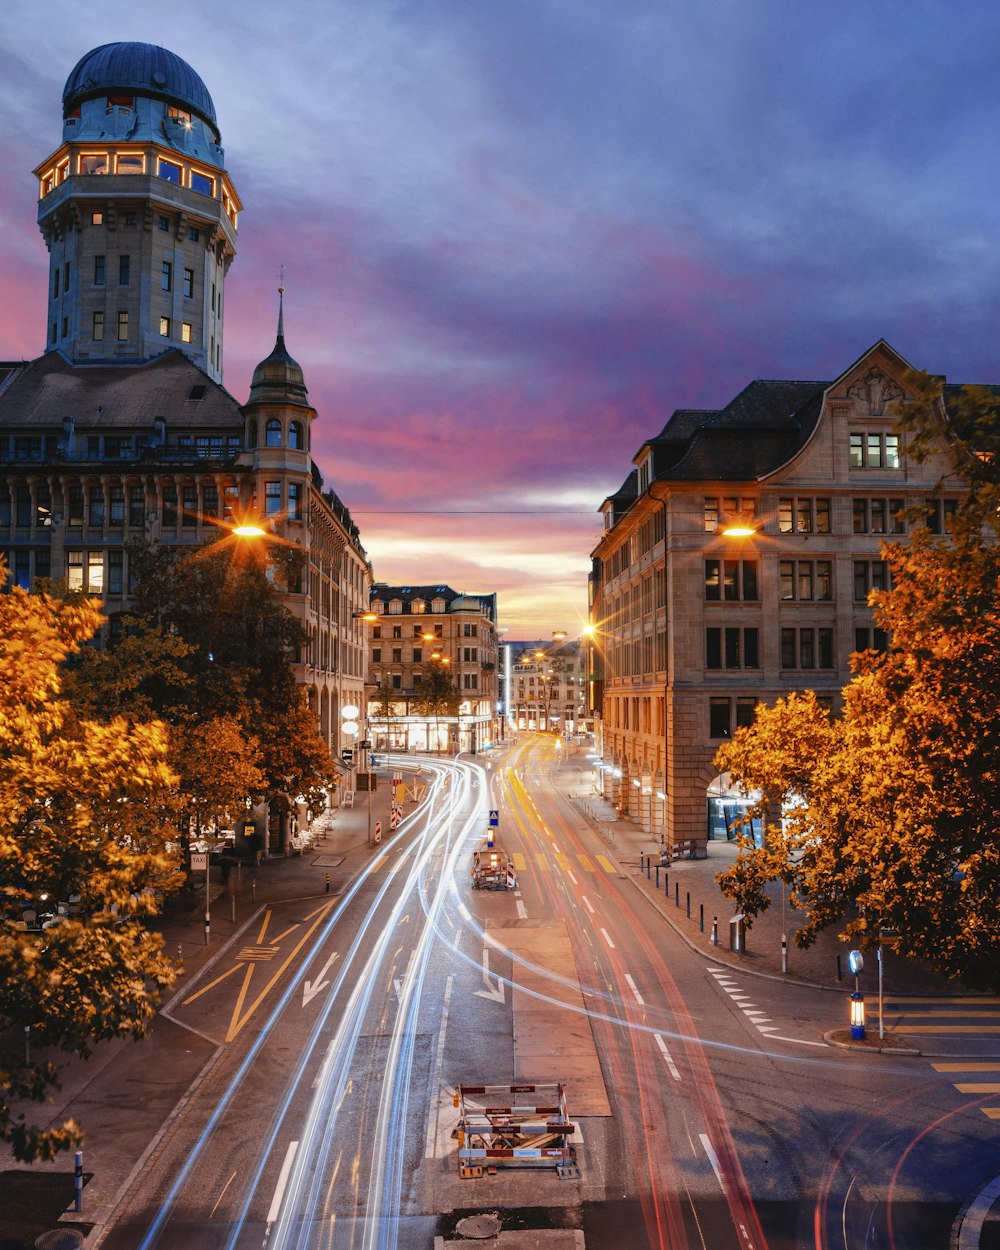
138 212
278 431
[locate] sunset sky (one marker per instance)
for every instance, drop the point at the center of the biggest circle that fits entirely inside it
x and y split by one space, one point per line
517 234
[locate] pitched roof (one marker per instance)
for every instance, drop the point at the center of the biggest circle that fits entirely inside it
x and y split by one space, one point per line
43 393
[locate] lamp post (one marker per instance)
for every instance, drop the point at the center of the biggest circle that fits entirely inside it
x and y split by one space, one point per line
349 725
857 962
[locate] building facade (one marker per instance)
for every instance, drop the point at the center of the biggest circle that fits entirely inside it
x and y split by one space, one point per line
412 630
549 688
122 429
735 566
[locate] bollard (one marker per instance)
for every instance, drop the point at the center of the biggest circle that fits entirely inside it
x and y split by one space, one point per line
687 896
208 927
233 897
784 953
27 1045
701 917
78 1182
715 930
649 860
666 884
677 894
657 876
253 890
327 883
840 975
180 952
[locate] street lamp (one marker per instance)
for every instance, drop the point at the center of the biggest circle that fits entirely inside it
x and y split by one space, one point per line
857 962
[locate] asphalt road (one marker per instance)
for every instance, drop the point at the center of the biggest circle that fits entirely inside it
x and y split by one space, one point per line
709 1111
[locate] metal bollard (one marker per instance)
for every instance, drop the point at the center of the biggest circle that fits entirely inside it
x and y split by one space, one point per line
180 951
27 1045
677 894
687 896
649 860
666 883
701 917
208 928
657 876
327 883
253 890
715 930
233 897
784 953
78 1182
840 974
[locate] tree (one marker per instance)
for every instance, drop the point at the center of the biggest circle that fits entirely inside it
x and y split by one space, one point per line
888 814
436 695
86 815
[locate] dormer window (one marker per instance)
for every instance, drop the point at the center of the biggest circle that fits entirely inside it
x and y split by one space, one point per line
178 115
418 606
378 607
120 102
395 607
437 605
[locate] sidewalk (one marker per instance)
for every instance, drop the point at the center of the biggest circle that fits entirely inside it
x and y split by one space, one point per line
690 899
124 1094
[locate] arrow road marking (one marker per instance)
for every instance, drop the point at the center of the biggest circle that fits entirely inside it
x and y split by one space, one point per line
398 982
311 988
279 1191
494 992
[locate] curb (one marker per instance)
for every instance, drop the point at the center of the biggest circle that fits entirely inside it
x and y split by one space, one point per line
885 1046
968 1227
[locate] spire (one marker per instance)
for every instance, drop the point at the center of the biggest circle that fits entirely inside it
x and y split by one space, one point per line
281 314
279 377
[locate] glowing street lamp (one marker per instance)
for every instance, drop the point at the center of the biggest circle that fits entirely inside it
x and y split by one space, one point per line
249 530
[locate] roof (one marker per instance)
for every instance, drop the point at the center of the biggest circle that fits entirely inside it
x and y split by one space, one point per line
144 68
455 601
43 393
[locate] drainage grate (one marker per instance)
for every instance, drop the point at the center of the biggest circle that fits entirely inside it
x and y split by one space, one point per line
479 1226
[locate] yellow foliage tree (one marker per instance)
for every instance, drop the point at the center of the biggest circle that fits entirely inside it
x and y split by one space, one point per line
85 820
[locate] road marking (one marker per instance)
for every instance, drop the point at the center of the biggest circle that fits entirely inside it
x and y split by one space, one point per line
522 911
632 986
713 1159
607 938
311 988
494 992
946 1028
587 904
606 864
379 863
466 914
979 1087
562 861
966 1067
569 873
399 982
210 985
520 863
585 863
222 1195
432 1127
279 1192
543 861
667 1059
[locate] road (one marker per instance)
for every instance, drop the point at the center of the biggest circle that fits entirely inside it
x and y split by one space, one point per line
709 1113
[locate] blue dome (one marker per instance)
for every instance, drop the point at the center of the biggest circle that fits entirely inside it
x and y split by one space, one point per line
142 68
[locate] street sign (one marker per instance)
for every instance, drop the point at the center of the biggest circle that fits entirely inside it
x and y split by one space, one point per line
347 755
363 746
199 861
494 818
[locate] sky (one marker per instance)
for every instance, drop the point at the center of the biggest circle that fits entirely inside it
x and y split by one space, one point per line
518 234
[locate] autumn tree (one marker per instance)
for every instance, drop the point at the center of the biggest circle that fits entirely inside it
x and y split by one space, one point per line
435 693
85 815
886 816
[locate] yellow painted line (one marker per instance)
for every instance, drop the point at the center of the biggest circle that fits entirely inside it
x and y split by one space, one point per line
210 985
520 863
237 1022
966 1067
992 1112
979 1087
380 863
543 861
947 1028
586 864
562 861
281 936
979 1001
942 1015
606 863
263 927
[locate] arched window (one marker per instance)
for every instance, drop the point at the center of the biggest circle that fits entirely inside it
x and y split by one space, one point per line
272 436
295 438
251 433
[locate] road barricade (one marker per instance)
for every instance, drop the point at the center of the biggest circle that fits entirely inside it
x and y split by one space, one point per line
514 1126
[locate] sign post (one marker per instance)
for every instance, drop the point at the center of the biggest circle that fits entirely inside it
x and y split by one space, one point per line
199 860
494 823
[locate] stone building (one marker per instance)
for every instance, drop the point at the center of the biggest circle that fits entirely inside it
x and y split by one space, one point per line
735 566
122 429
413 628
549 688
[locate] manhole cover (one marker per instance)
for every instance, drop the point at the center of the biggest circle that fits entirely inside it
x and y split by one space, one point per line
479 1226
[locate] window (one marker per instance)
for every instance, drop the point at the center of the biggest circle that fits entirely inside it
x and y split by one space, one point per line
66 275
940 515
93 163
869 575
189 504
97 219
418 655
124 270
43 563
95 572
193 234
99 270
185 331
397 630
376 655
131 219
57 274
96 505
120 101
470 631
295 436
720 715
397 681
202 183
76 504
470 681
871 640
169 172
136 507
272 498
731 580
166 276
805 579
807 648
397 655
188 283
731 647
804 516
377 630
874 451
162 222
116 568
65 327
122 326
210 500
165 327
97 325
272 433
295 501
877 516
170 505
23 510
55 331
74 570
116 506
470 654
130 163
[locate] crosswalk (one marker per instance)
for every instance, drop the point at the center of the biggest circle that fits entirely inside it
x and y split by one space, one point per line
544 861
986 1084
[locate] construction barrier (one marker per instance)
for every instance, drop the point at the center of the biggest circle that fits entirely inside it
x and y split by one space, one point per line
491 868
514 1126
